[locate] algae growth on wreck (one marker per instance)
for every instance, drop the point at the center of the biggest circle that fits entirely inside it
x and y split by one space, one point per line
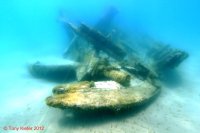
99 66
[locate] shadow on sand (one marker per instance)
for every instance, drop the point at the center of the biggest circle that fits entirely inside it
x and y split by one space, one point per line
172 78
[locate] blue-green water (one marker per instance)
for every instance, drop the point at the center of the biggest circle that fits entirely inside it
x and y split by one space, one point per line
31 30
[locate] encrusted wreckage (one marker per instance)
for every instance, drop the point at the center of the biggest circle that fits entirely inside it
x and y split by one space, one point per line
110 73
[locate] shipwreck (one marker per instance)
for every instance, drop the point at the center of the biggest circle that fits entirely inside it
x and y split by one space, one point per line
110 73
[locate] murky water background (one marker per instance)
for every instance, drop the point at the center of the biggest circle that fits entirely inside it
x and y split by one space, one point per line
30 30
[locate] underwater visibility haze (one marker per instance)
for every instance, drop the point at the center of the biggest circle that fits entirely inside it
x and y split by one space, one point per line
100 66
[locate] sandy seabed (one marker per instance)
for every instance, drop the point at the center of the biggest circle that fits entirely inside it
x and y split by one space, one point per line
175 110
